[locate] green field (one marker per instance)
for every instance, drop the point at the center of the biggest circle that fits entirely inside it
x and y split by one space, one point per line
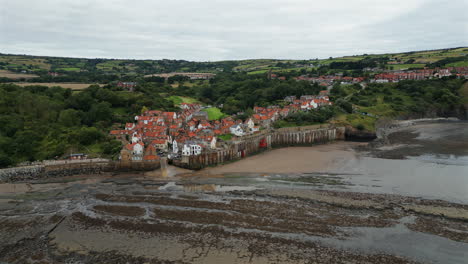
355 120
190 84
458 64
38 64
70 69
214 113
258 72
225 137
177 100
406 66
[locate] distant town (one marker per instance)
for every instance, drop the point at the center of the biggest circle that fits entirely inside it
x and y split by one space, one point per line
385 77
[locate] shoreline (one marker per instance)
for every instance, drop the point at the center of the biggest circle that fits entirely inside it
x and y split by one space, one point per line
290 159
142 220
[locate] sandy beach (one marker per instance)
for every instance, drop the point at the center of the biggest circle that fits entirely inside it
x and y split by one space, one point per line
291 160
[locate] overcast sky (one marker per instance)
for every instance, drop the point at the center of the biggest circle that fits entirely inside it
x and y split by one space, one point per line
205 30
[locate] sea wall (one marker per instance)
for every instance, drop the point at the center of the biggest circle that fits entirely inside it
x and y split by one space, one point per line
21 173
61 169
258 143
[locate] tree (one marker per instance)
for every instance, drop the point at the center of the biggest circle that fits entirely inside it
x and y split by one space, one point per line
100 112
69 118
144 109
345 105
5 160
89 135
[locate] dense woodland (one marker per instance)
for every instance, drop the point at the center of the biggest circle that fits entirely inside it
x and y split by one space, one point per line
39 123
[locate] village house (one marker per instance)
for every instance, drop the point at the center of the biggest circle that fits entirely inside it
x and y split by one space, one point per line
150 154
190 75
213 143
127 85
77 156
136 151
53 74
249 123
160 144
129 126
201 115
175 147
290 99
191 149
237 130
136 137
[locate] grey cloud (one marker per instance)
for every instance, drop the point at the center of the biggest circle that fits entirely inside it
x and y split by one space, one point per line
218 30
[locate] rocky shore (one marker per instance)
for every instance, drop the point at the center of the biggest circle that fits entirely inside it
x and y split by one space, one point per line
132 219
282 206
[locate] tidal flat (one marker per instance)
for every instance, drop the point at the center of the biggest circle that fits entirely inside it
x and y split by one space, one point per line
343 202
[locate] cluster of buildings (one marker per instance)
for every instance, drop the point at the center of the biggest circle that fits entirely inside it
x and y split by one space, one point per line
189 132
388 76
422 74
53 74
127 85
190 75
265 116
330 79
186 132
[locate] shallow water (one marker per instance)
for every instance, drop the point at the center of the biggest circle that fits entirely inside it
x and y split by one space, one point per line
425 177
401 241
433 165
436 164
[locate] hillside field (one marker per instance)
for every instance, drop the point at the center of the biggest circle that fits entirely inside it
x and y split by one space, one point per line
14 75
73 86
214 113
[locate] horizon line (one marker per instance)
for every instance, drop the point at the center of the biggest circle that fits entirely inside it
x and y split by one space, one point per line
355 55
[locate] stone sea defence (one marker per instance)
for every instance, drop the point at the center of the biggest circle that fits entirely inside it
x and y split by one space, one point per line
298 136
63 169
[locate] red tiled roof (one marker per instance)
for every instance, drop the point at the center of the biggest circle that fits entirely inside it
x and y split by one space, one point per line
159 141
150 157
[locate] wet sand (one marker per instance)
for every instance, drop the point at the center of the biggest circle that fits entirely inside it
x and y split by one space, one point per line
130 220
291 160
292 205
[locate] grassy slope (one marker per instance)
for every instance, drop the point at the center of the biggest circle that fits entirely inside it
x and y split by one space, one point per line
406 66
458 64
182 99
225 137
214 113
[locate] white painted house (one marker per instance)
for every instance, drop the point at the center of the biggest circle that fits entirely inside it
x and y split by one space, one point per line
136 138
129 126
186 150
175 148
137 151
236 130
195 149
191 150
213 143
249 123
